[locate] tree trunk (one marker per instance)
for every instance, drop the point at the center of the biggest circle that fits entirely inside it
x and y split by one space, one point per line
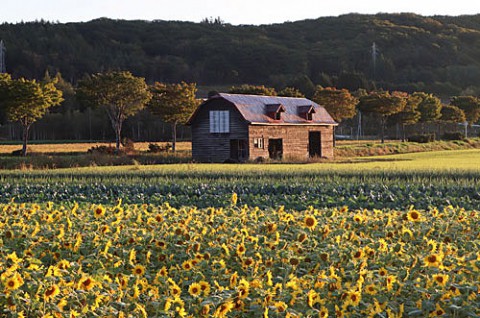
403 133
26 129
118 131
383 129
174 136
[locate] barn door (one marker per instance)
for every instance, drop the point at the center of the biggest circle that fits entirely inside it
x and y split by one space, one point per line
314 144
238 149
275 148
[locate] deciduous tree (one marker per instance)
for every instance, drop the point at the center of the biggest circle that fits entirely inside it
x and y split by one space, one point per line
26 101
174 103
430 108
383 104
252 90
338 102
120 93
409 115
290 92
470 106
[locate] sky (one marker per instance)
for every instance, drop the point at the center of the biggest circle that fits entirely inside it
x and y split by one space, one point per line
231 11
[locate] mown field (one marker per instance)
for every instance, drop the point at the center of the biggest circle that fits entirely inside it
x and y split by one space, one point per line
390 236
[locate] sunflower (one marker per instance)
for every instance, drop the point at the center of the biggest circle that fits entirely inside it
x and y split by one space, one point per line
205 287
371 289
382 272
391 279
310 222
440 279
86 283
358 218
205 310
99 211
437 312
280 306
433 260
353 298
241 249
224 309
414 216
323 313
51 292
175 291
138 270
14 282
187 265
195 289
243 289
234 198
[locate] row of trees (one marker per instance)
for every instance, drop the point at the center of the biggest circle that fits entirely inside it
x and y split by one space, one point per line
390 107
120 94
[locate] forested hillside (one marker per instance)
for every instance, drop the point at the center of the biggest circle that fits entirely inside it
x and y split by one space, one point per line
440 55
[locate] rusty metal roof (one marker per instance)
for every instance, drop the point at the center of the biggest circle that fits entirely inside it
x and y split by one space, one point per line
255 109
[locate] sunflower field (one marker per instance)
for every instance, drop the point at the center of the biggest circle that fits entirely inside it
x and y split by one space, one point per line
134 260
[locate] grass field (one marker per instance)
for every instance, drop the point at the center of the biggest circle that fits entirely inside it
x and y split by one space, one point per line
62 148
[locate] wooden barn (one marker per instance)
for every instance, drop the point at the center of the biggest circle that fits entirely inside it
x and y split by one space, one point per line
246 127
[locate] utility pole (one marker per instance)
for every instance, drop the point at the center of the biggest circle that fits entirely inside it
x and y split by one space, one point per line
374 59
3 49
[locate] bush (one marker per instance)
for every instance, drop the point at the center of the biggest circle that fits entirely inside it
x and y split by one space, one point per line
453 136
128 145
155 148
425 138
106 150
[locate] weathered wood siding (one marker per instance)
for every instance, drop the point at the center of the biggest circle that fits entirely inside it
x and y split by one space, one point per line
295 140
208 147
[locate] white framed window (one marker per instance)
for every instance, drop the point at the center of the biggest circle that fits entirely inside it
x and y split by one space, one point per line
258 143
219 121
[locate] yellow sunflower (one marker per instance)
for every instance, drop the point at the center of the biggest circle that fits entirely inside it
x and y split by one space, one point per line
223 309
414 216
99 211
14 282
138 270
195 289
433 260
310 222
440 279
51 292
205 287
86 283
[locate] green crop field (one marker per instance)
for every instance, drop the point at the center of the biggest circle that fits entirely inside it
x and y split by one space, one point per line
389 236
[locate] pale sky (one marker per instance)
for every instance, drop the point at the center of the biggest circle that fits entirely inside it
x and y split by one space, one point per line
231 11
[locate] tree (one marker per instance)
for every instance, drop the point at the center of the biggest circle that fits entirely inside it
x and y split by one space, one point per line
430 108
409 115
383 104
26 101
470 106
452 114
252 90
290 92
174 103
120 93
338 102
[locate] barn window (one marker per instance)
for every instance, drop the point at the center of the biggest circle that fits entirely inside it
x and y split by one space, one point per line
219 121
258 143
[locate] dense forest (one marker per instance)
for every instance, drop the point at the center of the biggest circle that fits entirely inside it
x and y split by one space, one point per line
437 54
407 52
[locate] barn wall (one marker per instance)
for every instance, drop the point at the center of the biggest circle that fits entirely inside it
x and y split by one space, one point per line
295 140
208 147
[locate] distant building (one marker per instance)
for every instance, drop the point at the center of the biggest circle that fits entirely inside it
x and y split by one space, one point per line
246 127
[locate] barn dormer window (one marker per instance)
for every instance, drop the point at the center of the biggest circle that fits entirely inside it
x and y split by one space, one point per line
219 122
275 111
306 112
